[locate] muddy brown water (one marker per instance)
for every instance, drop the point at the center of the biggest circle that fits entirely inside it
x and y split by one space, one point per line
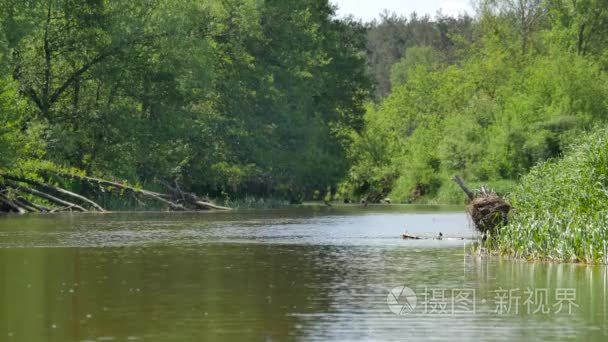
273 275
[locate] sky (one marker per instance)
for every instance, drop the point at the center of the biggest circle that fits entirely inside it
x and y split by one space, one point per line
369 9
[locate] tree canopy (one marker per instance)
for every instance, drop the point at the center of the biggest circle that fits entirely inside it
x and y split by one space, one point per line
233 98
228 97
530 77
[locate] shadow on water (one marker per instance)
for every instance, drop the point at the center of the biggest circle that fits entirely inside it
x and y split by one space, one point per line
305 274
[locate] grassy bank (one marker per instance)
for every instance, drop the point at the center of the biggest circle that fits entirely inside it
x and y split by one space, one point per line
561 207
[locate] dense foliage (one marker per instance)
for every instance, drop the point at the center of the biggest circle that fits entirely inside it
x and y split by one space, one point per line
392 40
561 207
530 78
243 99
227 97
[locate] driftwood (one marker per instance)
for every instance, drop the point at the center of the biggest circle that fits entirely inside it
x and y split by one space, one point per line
487 209
407 236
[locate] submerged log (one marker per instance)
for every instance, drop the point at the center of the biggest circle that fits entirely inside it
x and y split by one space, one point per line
407 236
487 209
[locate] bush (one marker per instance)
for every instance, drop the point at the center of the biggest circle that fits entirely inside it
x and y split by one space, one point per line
561 206
488 120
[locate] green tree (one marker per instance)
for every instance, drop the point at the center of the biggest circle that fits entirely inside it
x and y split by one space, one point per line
389 38
580 25
415 57
490 118
227 97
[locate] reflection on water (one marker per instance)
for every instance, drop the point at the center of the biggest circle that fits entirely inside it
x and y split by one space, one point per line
305 274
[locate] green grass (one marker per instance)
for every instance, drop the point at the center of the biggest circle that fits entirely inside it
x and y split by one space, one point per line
561 207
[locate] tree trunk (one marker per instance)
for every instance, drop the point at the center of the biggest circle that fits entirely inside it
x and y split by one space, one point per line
55 189
191 199
50 198
151 194
12 205
464 188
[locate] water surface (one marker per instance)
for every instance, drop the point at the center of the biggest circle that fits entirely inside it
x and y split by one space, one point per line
274 275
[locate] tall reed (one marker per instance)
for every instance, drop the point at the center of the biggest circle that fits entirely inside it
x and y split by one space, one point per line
561 206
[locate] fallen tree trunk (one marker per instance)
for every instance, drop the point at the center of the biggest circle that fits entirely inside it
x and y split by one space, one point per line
151 194
55 189
12 205
64 199
207 205
48 197
25 205
191 198
37 207
464 188
487 209
58 209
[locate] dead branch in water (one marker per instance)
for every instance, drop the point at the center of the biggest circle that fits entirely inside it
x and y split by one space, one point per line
190 198
487 209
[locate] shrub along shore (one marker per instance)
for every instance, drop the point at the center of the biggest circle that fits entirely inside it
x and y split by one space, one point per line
561 207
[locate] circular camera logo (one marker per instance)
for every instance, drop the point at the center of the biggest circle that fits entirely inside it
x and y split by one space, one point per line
401 300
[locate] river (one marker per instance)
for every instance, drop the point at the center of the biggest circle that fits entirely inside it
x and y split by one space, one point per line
305 274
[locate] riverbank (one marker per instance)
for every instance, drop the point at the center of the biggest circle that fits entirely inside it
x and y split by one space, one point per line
561 207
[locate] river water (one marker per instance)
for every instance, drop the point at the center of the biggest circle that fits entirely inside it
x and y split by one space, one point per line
274 275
